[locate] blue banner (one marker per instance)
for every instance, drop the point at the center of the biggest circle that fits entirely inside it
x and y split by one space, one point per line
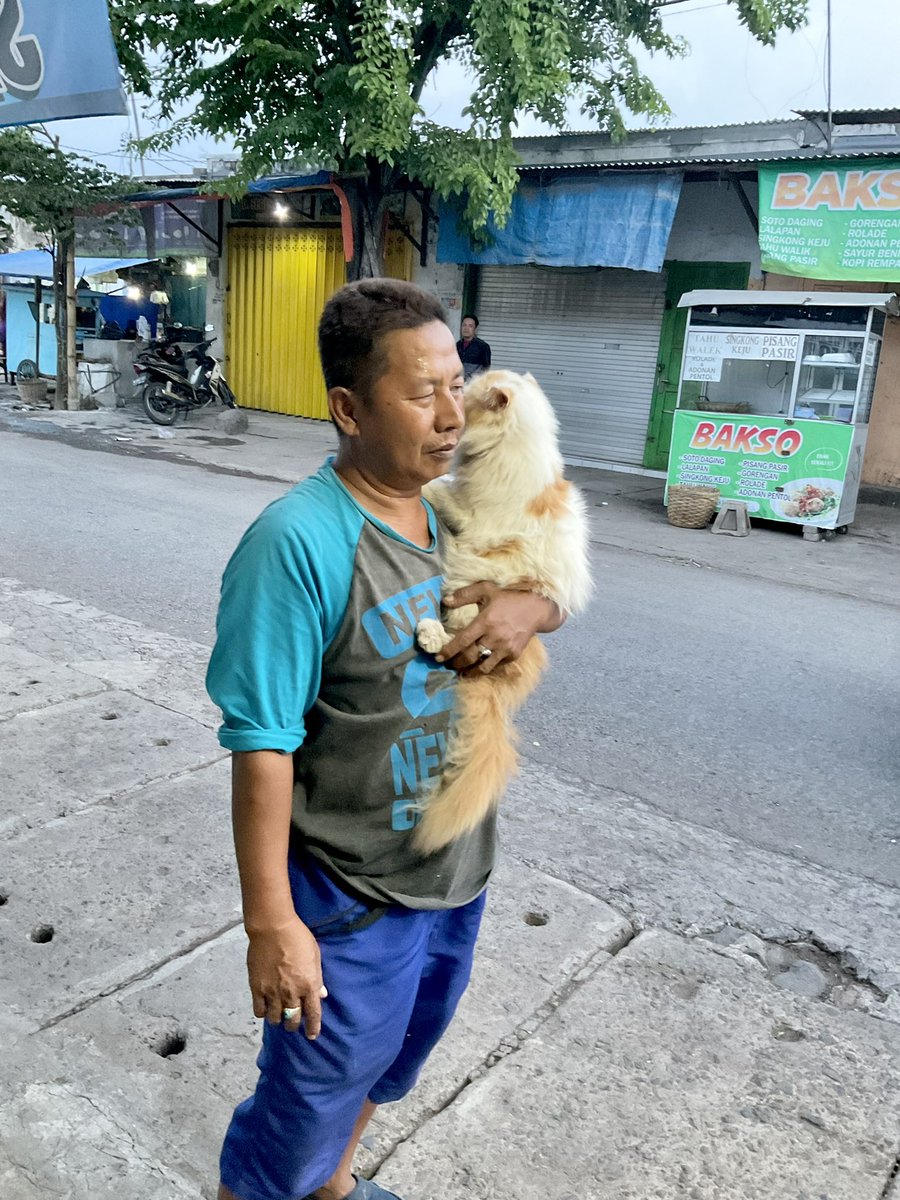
605 219
57 60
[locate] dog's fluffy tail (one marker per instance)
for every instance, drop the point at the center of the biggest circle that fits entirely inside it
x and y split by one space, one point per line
481 757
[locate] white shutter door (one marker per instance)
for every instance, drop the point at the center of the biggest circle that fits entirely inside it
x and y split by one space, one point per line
591 339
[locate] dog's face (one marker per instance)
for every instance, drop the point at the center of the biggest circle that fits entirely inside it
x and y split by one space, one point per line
497 401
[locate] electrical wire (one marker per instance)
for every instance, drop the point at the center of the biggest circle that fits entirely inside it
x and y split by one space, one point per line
162 162
668 3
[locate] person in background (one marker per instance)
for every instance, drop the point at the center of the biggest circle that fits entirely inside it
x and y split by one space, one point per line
474 353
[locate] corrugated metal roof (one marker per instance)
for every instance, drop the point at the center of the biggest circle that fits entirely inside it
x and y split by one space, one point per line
721 160
660 129
706 297
862 116
801 137
853 116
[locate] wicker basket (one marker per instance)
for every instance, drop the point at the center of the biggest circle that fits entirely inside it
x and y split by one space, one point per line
32 391
692 505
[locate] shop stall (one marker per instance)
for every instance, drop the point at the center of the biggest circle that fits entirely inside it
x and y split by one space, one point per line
774 399
27 275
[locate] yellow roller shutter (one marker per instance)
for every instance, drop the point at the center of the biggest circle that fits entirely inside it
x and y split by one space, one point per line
279 280
398 256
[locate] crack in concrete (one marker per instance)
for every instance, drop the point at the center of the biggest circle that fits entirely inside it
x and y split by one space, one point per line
846 961
168 708
138 976
28 1173
36 708
512 1042
112 798
137 1152
841 967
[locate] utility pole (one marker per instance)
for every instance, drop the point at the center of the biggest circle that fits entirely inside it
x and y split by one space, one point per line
137 134
830 136
72 400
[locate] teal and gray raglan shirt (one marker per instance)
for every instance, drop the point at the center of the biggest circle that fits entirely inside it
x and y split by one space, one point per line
316 656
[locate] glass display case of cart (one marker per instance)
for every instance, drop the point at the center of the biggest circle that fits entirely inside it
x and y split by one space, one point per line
782 354
774 398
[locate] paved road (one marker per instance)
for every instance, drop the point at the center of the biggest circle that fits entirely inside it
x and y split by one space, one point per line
762 710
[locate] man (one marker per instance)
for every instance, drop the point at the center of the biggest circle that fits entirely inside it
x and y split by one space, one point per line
474 354
359 948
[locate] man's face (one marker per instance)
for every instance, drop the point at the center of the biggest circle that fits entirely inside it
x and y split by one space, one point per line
410 422
468 328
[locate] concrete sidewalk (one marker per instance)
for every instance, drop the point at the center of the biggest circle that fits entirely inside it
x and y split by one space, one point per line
595 1056
626 509
620 1040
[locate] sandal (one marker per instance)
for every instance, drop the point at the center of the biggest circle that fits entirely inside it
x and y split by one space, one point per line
367 1190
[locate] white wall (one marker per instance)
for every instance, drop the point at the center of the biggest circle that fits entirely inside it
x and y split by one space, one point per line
216 280
215 300
445 280
22 236
711 225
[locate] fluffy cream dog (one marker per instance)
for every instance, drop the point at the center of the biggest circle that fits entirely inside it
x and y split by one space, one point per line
515 521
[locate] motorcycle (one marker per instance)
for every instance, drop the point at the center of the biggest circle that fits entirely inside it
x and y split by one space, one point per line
172 380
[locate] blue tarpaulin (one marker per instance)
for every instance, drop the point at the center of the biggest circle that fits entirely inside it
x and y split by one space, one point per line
614 219
274 183
38 264
57 59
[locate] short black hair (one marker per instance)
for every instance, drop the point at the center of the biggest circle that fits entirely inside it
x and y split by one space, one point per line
471 317
356 319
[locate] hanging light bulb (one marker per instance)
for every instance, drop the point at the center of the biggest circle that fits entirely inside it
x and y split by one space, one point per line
133 293
280 211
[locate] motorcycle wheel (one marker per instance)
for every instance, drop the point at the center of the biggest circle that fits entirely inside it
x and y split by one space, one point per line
158 406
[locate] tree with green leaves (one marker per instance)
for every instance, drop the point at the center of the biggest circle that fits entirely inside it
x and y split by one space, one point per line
338 84
48 189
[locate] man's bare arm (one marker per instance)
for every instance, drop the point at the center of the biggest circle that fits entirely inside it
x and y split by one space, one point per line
283 960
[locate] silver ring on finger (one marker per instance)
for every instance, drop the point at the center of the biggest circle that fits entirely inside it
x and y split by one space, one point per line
484 651
289 1014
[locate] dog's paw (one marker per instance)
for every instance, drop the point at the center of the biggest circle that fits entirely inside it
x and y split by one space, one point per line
432 636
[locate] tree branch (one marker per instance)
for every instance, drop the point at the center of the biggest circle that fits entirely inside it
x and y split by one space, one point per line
429 47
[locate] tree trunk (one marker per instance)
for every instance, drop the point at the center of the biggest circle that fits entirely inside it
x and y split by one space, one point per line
371 248
368 204
71 322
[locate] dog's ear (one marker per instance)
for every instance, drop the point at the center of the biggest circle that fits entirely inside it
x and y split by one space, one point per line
498 398
528 375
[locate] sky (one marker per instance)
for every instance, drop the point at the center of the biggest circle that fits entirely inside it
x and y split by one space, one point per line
726 77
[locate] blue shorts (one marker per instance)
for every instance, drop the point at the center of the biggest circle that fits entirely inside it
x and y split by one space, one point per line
393 986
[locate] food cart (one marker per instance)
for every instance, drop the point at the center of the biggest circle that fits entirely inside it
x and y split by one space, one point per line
774 399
